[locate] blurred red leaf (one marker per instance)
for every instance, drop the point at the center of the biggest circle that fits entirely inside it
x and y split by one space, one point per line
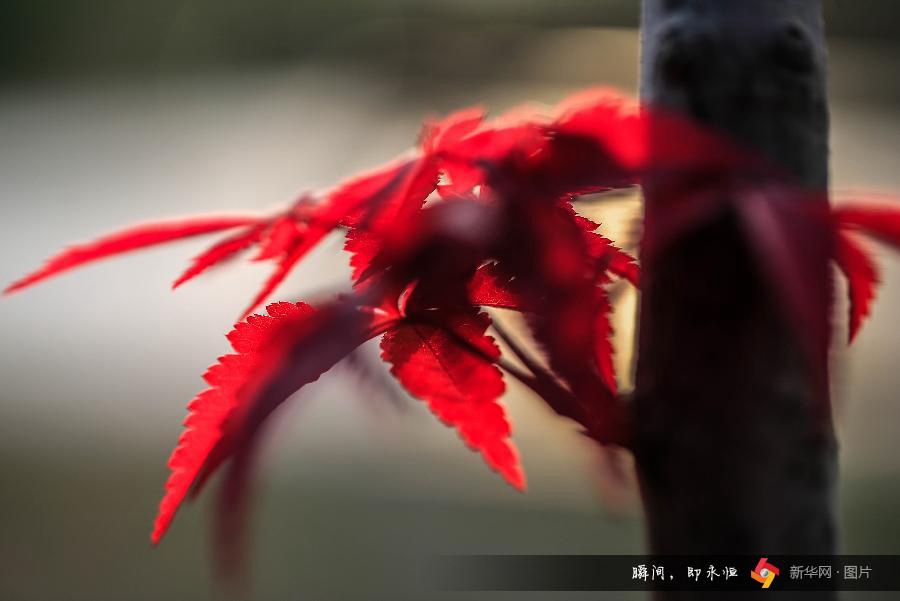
220 252
862 277
880 221
489 287
116 243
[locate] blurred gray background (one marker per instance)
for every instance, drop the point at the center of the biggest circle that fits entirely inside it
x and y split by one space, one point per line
113 112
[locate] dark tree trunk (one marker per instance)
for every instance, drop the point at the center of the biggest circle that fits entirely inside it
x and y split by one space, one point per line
733 455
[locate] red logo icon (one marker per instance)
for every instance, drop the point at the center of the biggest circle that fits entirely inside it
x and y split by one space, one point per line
764 573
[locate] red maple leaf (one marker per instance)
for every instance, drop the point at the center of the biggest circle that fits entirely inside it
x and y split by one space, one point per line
480 216
451 367
209 411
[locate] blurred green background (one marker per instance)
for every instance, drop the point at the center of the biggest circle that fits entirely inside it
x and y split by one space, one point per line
118 111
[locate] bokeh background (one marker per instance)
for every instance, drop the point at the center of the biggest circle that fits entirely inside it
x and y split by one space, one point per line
116 111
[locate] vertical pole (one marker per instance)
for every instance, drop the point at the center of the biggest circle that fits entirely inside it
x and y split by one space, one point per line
732 454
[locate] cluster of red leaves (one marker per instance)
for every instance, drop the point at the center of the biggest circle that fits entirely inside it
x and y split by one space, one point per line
480 216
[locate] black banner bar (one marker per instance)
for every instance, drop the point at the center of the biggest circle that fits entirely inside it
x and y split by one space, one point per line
653 572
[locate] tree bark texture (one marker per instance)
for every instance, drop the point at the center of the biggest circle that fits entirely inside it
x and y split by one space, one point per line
732 451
